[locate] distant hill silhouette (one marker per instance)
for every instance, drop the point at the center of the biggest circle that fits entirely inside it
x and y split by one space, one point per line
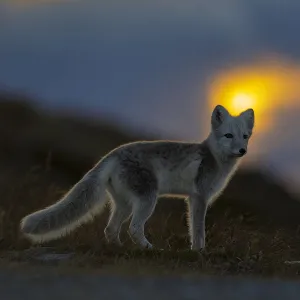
257 192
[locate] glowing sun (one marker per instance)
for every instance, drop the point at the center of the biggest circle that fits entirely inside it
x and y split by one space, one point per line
265 86
241 102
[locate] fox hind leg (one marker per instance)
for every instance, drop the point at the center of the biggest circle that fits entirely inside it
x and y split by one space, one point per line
121 210
139 183
143 208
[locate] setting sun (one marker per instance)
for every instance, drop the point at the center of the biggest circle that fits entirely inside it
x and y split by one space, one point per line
264 86
241 102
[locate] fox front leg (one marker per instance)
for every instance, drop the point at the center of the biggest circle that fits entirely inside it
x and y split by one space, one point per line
197 205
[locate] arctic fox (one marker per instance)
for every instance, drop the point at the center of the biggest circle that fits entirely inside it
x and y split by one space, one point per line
134 175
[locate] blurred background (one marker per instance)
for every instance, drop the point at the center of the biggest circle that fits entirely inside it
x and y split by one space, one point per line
78 78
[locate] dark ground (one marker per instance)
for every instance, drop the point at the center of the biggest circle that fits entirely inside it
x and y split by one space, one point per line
51 284
251 230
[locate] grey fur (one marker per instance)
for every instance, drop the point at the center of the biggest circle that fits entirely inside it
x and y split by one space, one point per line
136 174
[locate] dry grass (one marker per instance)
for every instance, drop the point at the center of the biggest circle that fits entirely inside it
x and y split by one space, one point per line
241 239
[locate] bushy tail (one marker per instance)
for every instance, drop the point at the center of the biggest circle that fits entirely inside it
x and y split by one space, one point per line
78 206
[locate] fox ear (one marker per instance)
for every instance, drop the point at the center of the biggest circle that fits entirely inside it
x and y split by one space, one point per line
219 114
248 116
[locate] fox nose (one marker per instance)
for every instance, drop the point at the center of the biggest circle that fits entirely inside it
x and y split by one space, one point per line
242 151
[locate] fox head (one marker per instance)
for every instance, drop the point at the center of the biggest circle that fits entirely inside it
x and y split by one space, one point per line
230 134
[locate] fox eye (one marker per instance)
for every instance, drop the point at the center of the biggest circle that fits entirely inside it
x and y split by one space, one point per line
228 135
246 136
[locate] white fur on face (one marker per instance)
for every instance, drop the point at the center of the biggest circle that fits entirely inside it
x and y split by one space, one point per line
232 133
